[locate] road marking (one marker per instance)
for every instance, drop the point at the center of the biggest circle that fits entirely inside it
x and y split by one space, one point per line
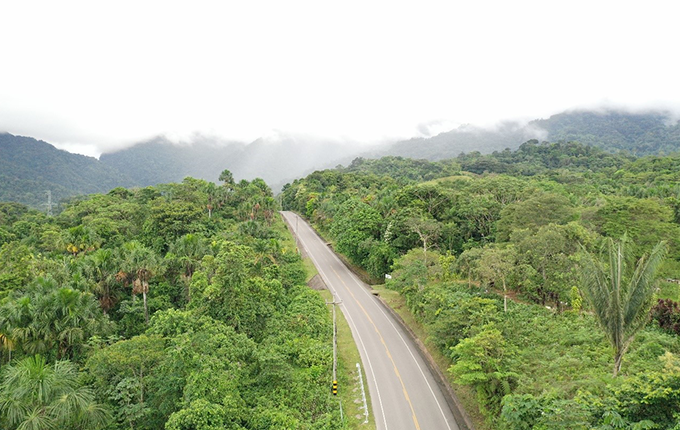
372 300
356 331
389 354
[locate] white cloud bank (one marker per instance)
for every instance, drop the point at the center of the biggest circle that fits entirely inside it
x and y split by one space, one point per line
92 76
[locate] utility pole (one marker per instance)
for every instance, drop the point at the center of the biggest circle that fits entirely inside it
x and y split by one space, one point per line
334 386
297 242
335 346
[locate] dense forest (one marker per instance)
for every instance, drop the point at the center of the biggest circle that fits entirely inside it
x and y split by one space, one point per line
533 271
180 306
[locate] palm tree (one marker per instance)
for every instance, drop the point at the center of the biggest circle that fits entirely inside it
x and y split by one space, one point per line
6 341
187 253
621 295
101 267
47 318
211 192
139 265
36 395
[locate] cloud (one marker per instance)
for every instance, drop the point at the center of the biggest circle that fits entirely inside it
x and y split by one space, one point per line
368 72
434 127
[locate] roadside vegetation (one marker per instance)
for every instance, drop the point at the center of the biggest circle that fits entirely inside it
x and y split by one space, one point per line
180 306
511 264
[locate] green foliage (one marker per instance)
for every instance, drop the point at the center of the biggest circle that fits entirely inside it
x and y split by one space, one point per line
481 361
575 299
30 167
621 295
354 223
181 303
51 320
527 221
37 395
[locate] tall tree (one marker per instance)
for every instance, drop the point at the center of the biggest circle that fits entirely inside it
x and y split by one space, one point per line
228 178
621 293
427 230
495 264
139 266
101 266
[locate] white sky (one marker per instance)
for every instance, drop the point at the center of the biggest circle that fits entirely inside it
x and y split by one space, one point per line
91 76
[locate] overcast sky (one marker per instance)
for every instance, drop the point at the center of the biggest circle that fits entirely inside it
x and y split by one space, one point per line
91 76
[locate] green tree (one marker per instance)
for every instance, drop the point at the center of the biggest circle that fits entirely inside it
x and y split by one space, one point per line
621 293
480 361
123 371
48 319
40 396
139 266
495 264
228 178
101 266
427 230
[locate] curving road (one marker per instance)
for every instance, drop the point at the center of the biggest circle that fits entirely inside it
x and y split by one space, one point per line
404 394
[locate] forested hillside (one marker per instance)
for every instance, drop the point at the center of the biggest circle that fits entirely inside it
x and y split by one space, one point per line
635 133
160 161
276 159
466 138
614 131
498 256
180 306
29 167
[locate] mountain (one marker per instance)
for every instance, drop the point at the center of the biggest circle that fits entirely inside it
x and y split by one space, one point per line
637 133
160 161
30 167
466 138
280 158
277 159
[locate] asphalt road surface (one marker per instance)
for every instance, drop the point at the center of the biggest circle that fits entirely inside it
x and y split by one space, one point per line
404 394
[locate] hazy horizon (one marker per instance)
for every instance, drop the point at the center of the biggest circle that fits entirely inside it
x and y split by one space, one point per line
93 78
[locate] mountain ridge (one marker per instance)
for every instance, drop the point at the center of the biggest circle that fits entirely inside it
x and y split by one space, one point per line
29 167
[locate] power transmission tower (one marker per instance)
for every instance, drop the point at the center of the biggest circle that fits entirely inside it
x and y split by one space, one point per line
49 202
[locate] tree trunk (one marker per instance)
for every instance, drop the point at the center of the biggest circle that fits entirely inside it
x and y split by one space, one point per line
618 360
505 297
141 384
146 309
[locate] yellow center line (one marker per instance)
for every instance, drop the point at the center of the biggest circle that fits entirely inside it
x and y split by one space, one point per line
382 340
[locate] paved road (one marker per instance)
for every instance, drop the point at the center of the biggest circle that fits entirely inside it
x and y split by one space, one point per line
404 394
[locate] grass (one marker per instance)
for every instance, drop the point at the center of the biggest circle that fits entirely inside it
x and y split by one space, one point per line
349 389
310 269
287 240
465 394
669 290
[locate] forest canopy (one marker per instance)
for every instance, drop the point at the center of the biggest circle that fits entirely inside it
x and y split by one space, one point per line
179 306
